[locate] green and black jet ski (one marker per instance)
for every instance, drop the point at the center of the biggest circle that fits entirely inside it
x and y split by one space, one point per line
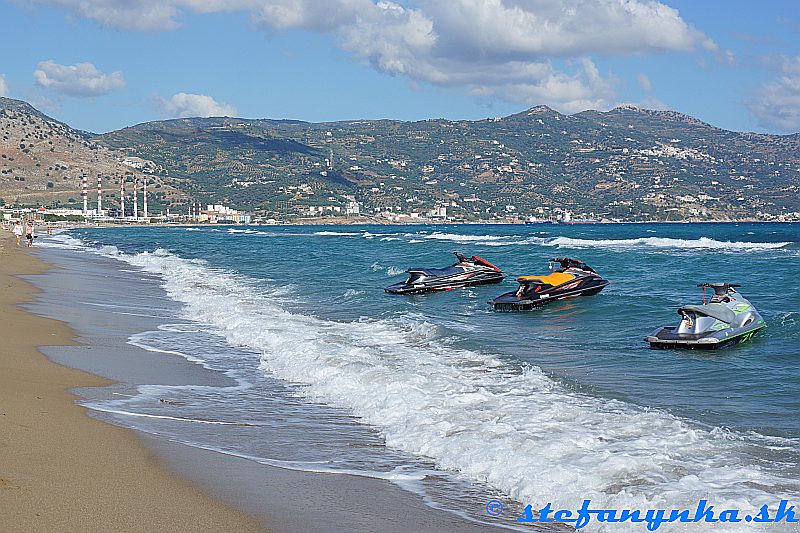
727 319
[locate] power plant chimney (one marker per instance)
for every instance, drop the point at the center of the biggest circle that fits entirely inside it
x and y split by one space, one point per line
144 197
122 197
99 195
135 199
85 194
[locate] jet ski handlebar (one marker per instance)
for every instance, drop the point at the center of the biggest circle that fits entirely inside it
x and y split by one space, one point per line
567 262
475 260
720 288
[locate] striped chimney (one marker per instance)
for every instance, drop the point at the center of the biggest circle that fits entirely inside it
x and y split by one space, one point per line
122 197
135 199
99 194
85 194
144 196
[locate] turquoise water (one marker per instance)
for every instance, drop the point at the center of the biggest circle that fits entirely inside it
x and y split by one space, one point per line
571 391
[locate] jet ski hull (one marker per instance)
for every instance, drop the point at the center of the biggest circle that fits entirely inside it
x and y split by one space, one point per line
510 301
445 284
666 338
726 320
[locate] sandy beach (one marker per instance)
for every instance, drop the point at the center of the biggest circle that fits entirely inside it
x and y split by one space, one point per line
61 470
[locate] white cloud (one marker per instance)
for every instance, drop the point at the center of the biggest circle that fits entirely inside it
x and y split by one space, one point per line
81 79
644 82
776 105
186 105
137 15
3 86
401 41
44 103
508 49
646 103
311 15
565 28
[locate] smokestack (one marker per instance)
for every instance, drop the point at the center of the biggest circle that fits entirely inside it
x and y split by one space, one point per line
85 194
144 196
122 197
135 199
99 195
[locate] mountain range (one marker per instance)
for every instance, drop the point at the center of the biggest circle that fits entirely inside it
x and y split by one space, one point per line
623 164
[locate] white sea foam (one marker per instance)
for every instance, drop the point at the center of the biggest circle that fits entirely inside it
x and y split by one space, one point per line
390 271
396 475
61 240
337 233
470 239
650 243
351 293
662 242
166 417
513 428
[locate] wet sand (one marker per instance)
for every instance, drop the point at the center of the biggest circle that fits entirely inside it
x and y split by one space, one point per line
93 476
61 470
116 302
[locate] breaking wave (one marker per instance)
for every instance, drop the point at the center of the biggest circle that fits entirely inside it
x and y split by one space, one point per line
510 426
662 242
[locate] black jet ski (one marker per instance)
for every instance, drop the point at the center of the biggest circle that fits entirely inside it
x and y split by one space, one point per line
468 271
571 278
727 319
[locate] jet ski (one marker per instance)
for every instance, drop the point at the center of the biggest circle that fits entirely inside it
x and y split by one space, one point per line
571 278
467 271
727 319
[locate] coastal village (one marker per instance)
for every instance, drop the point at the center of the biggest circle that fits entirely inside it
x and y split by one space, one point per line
627 165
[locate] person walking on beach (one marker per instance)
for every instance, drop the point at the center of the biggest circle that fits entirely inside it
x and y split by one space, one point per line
29 234
18 231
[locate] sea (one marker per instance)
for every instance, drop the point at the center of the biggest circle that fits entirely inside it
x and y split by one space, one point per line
449 399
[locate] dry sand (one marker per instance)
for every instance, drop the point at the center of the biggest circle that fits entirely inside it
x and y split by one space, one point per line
61 470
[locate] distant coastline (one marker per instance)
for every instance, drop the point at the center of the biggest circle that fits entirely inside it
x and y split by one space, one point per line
534 164
366 222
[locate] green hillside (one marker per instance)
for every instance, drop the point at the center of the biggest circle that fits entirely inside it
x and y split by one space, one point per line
625 163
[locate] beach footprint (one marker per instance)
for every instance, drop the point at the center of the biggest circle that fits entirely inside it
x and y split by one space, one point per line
7 485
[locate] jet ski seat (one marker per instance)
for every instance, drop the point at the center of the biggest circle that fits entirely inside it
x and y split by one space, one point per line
554 279
718 311
438 272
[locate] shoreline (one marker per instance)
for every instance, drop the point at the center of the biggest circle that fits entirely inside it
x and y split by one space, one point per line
352 222
289 499
62 470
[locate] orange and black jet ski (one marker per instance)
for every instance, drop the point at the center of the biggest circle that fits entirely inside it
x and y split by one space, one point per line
571 278
467 271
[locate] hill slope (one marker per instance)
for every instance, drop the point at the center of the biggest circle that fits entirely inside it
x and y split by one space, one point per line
42 161
627 162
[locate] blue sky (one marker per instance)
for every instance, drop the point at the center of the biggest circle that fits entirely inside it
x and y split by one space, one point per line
100 65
